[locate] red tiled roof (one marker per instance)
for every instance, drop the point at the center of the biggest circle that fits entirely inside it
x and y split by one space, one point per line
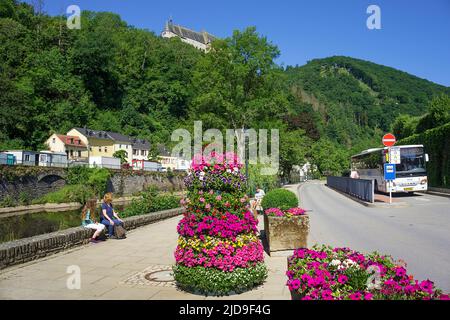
73 141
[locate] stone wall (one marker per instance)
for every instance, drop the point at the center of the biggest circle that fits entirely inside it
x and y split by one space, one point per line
124 183
34 182
24 250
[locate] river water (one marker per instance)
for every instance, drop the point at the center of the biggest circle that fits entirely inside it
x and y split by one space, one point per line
32 224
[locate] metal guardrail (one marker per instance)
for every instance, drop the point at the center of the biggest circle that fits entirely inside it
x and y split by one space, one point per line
360 188
70 164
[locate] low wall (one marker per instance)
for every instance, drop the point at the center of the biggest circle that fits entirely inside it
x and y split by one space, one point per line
33 182
124 183
359 188
28 249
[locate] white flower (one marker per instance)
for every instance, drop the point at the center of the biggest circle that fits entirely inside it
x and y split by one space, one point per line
228 170
335 262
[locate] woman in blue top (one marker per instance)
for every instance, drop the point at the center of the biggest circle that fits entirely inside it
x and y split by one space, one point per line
88 219
109 217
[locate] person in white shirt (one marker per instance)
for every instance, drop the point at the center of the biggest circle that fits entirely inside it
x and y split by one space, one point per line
258 197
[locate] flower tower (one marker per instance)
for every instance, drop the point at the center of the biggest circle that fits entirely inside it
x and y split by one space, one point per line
218 250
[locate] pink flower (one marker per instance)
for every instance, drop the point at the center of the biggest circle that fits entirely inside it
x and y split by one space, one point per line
368 296
427 286
201 199
400 271
342 278
355 296
295 284
327 295
219 197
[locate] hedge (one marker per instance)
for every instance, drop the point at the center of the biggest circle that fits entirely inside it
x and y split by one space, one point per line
437 144
280 198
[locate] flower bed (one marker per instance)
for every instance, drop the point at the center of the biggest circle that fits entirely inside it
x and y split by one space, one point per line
327 273
275 212
218 248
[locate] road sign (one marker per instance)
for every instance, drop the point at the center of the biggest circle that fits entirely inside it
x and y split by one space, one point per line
389 140
394 156
389 171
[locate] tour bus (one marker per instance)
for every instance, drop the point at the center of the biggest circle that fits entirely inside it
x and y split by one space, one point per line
411 174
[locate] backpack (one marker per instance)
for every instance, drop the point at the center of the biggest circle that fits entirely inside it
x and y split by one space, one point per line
120 232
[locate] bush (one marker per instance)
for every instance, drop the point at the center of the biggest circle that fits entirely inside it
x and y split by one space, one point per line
437 144
280 198
94 178
8 201
151 201
216 282
24 198
68 193
256 179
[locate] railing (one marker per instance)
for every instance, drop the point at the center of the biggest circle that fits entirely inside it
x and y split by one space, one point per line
70 164
360 188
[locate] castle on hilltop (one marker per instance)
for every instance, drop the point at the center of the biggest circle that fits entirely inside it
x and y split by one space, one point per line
200 40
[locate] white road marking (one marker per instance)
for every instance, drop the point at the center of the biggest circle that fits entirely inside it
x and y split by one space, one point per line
422 199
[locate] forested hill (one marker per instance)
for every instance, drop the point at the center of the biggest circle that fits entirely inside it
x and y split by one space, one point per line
109 75
357 98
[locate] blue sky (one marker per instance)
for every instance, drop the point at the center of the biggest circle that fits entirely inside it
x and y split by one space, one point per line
414 35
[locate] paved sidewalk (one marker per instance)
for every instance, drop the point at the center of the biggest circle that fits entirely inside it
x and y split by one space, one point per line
115 270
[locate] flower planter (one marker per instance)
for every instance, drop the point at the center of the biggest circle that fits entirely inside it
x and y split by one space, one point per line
283 233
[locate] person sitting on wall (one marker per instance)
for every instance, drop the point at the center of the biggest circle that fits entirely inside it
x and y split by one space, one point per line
89 220
109 216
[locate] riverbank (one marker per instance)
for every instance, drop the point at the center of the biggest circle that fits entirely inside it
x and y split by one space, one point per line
54 207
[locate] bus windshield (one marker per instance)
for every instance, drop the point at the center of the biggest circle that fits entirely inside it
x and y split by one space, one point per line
412 162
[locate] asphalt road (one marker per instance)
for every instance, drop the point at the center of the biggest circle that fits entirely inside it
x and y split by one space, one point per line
418 233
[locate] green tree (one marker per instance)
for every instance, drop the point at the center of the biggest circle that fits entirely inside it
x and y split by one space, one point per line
122 155
438 114
329 158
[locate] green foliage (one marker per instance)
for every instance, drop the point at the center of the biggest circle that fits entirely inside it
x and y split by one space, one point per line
280 198
98 180
95 179
68 193
256 179
329 158
437 144
151 201
438 114
112 76
358 99
8 201
122 155
211 281
404 126
24 198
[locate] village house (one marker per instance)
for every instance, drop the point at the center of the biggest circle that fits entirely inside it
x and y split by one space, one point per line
168 161
71 145
105 143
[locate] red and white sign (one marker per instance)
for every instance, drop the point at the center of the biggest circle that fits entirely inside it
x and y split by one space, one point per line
389 140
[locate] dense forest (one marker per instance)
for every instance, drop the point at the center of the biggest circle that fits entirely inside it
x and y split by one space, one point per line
109 75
